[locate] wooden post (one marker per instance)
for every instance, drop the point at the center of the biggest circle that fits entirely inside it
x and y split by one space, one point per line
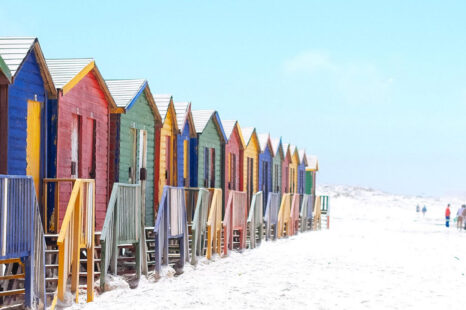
90 252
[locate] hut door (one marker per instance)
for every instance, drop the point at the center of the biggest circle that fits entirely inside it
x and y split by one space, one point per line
133 158
33 142
89 170
168 161
142 165
212 168
75 143
249 186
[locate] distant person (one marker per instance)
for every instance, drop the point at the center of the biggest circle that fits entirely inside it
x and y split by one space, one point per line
464 216
424 210
447 216
418 209
459 218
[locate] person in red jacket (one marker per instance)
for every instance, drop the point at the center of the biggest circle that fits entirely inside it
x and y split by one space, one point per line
447 216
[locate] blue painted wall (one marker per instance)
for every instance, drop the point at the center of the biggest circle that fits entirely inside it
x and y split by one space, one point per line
180 155
27 83
301 178
193 161
264 157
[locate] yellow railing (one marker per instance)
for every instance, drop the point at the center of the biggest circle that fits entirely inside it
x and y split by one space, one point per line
284 216
76 233
317 214
214 223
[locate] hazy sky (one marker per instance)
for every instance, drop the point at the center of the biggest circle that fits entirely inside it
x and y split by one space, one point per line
376 90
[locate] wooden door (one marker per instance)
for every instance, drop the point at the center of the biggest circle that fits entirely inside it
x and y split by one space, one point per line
75 149
142 165
250 179
133 158
168 160
33 141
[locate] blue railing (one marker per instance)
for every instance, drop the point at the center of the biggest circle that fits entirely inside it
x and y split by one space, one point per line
171 225
21 234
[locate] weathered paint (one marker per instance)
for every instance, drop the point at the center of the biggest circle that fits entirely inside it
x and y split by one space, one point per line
28 85
185 134
86 103
234 150
125 149
286 170
265 171
167 159
251 151
277 169
33 142
193 161
310 182
301 175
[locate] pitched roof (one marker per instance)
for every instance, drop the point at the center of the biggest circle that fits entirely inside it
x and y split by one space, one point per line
181 109
68 72
312 163
247 133
163 101
14 50
264 139
302 156
201 118
124 91
228 126
276 146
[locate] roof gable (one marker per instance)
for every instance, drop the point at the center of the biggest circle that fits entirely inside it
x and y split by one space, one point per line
14 51
302 157
68 72
5 71
230 127
264 142
184 116
166 108
202 117
294 153
250 136
277 147
126 93
312 163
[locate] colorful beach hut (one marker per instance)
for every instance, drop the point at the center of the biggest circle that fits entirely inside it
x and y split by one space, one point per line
251 162
23 107
311 171
207 155
278 158
79 122
293 174
186 132
286 169
265 165
132 139
234 151
302 171
168 134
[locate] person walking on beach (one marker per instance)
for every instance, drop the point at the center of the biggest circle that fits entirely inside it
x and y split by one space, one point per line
424 210
418 209
459 216
447 216
464 216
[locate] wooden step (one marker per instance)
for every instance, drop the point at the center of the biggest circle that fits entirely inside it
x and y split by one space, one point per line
12 276
13 292
51 280
12 307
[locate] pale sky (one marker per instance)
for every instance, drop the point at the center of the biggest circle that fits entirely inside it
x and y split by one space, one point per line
376 90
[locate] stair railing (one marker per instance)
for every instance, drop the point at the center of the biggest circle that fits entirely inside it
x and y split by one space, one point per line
294 214
76 233
283 226
21 234
123 225
306 212
214 223
255 220
271 216
235 218
325 210
199 224
170 224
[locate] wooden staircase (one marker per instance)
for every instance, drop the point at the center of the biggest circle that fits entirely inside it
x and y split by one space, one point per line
12 292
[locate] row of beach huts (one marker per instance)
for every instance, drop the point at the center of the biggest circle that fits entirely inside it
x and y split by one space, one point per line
102 176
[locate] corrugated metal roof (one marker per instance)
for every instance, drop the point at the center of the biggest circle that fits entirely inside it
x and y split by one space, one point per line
181 109
276 145
14 50
64 70
201 118
228 126
124 91
263 140
302 155
162 101
247 133
312 162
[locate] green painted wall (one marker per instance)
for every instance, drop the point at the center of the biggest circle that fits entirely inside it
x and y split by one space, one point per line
210 138
309 182
277 160
140 117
